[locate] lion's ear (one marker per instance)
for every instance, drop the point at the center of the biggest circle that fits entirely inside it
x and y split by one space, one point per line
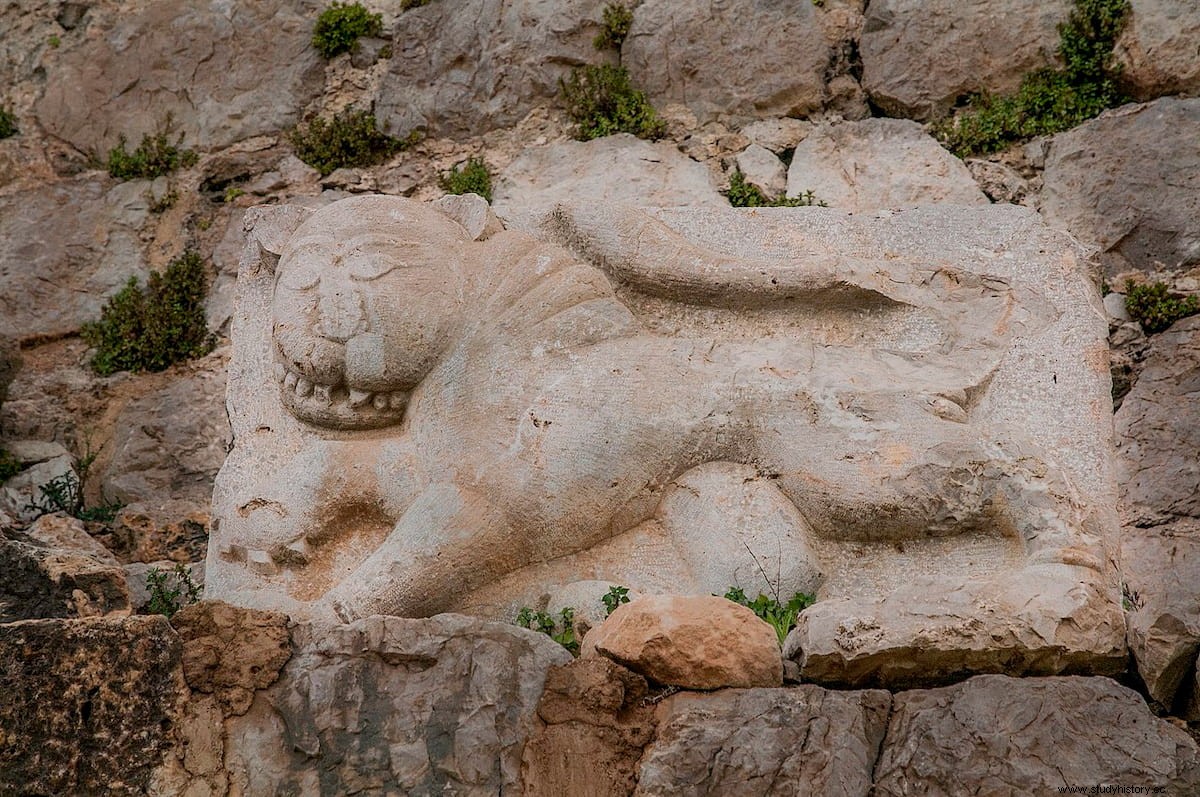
267 229
473 214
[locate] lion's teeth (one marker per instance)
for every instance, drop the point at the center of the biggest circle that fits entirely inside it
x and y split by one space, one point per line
323 394
381 402
289 381
359 397
280 371
304 388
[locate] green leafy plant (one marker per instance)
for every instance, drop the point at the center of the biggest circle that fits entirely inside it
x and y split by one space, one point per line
154 156
340 26
8 123
614 598
170 590
65 494
617 21
780 616
232 193
471 177
351 138
150 329
163 203
54 41
1155 308
742 194
9 466
1049 100
561 630
601 102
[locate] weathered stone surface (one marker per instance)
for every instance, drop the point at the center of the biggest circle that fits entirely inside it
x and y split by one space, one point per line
777 135
230 651
433 706
1011 736
89 705
202 64
780 742
170 530
465 68
741 57
879 164
1128 183
620 168
999 182
695 642
42 464
10 361
763 170
64 248
1157 50
595 726
920 57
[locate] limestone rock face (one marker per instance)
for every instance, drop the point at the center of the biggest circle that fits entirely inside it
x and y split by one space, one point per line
10 361
1157 49
202 63
89 705
999 735
878 164
694 642
64 248
1128 183
799 741
42 464
919 57
743 57
621 168
450 700
462 69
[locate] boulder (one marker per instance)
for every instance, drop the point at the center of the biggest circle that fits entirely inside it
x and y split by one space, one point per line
740 58
799 741
1000 182
920 57
44 465
90 706
694 642
777 135
614 168
200 64
1157 50
762 169
999 735
434 706
879 164
1128 184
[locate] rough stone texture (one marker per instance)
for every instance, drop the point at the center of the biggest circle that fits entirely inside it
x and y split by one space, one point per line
10 361
460 69
1157 440
55 569
595 726
230 651
763 170
89 705
1158 50
999 182
877 164
437 706
742 57
41 463
174 530
64 247
1009 736
694 642
777 135
620 168
778 742
920 56
1128 183
203 64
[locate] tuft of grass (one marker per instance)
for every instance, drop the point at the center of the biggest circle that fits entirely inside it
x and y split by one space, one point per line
561 630
9 466
1155 308
340 26
170 590
471 177
150 329
8 123
351 138
1049 100
742 194
780 616
154 156
617 21
601 101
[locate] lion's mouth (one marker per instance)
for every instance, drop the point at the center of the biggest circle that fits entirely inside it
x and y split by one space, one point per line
338 406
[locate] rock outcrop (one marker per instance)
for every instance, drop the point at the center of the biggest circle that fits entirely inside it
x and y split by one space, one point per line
1157 49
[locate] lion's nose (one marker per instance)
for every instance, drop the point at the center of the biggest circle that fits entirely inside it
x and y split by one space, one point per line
341 313
366 365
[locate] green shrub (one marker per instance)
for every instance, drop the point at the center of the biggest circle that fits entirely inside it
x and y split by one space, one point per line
9 466
170 590
148 330
351 138
1152 306
742 194
339 27
154 157
601 102
780 616
614 598
561 630
617 21
407 4
65 494
8 123
1049 100
472 177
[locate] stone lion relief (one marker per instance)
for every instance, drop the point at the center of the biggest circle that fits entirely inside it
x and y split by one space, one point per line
903 413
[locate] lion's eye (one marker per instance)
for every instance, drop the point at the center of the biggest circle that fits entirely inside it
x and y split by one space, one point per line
299 276
369 267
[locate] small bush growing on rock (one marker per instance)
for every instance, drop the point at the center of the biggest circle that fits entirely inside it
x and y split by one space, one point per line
471 177
340 26
407 4
601 101
742 194
1155 308
614 598
154 156
170 590
65 494
8 123
149 330
9 466
351 138
617 21
561 630
780 616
